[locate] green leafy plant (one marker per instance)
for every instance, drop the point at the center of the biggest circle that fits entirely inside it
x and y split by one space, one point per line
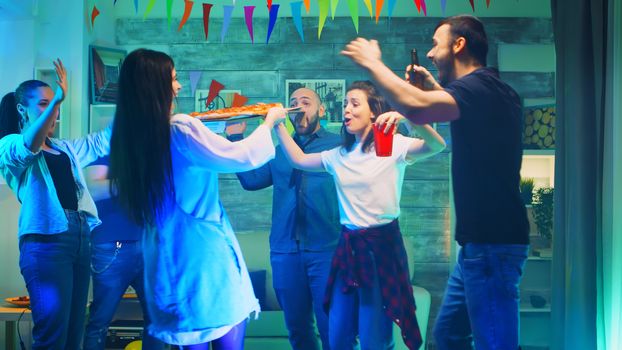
526 189
543 211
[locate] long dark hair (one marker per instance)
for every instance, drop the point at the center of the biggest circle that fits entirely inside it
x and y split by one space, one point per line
11 122
377 104
140 155
472 29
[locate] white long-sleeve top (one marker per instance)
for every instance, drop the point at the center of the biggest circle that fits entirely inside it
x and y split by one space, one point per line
197 284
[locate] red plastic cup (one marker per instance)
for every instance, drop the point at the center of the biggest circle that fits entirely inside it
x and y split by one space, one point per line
383 142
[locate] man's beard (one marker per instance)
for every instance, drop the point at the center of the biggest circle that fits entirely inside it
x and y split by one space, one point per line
445 68
310 128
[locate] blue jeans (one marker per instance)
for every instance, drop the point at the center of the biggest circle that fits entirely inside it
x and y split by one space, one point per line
481 304
56 270
299 281
115 266
359 313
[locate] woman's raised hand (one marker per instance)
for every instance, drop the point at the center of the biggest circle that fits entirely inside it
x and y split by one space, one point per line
275 116
389 119
61 73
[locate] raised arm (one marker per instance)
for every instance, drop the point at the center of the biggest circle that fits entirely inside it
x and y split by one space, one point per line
35 135
429 144
417 105
296 157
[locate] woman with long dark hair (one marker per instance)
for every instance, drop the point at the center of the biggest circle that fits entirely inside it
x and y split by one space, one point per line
369 285
57 212
164 170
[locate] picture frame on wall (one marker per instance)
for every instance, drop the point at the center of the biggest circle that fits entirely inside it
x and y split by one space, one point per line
104 69
332 93
539 126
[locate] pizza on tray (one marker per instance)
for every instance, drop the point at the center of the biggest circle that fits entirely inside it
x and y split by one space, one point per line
226 113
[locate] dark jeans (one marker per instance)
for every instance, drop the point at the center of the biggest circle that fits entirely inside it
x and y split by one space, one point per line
299 281
115 266
361 313
481 304
56 270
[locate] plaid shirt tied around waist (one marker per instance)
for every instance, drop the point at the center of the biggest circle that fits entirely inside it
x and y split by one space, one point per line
353 263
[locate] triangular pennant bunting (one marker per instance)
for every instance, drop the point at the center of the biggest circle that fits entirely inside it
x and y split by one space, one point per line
187 11
391 7
353 6
487 3
296 17
169 10
136 6
195 75
333 8
472 5
206 10
94 15
214 89
443 6
379 4
418 4
248 18
424 8
274 11
324 5
368 5
149 8
269 3
239 100
308 5
226 19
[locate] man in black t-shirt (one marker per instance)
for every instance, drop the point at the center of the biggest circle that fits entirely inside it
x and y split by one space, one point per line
481 304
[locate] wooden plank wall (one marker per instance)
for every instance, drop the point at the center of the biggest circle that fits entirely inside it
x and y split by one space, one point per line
260 71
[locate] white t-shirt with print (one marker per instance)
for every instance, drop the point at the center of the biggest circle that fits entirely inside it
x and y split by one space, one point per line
368 187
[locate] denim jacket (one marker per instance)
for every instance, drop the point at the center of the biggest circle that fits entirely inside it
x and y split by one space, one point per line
27 174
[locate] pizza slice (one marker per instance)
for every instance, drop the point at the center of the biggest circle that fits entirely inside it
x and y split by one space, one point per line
226 113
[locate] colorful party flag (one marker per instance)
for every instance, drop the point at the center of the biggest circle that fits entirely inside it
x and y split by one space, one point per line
308 4
391 6
353 6
269 3
195 75
187 11
214 90
274 10
418 4
324 4
239 100
169 9
94 15
487 3
379 4
149 8
425 9
206 10
136 6
368 5
333 8
472 5
248 17
226 18
443 6
296 17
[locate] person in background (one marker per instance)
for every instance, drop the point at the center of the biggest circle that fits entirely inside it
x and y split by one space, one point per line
164 170
116 262
481 304
369 285
305 223
57 212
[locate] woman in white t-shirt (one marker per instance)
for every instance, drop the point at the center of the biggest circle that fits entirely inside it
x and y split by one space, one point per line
369 284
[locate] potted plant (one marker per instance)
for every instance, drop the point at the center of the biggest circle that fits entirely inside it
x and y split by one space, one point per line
526 189
543 214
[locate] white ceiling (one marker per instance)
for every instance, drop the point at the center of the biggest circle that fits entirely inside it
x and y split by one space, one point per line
17 9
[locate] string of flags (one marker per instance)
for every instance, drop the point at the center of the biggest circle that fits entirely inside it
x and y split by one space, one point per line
296 12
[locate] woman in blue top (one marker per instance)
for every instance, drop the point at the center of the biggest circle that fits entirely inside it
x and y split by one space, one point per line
164 169
57 212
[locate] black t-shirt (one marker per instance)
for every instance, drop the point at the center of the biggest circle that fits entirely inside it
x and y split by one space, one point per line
62 176
486 160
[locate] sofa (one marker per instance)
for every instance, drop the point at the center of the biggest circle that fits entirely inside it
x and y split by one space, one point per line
268 331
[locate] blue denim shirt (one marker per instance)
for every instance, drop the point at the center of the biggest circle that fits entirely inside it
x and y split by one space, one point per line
308 220
28 176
